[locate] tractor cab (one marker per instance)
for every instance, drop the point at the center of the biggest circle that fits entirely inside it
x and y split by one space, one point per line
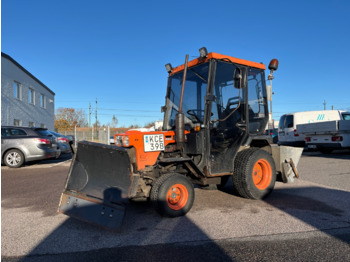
224 103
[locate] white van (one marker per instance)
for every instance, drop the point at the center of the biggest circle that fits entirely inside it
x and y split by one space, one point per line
287 133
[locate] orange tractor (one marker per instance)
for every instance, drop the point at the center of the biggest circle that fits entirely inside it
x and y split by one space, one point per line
215 115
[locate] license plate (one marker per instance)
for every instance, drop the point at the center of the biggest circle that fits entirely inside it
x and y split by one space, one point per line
54 145
153 142
312 146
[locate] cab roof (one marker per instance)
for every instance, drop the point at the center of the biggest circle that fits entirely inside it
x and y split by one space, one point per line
217 56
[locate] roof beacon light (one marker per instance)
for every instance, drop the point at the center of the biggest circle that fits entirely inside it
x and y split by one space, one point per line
273 67
203 52
273 64
169 68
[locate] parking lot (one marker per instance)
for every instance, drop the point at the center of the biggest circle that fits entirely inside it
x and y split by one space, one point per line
314 207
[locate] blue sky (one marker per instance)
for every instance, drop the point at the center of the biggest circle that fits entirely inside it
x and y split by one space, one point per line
115 51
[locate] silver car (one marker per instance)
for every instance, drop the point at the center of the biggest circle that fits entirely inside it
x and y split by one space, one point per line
25 144
64 142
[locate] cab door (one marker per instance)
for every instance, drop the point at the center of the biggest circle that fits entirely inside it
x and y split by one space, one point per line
227 120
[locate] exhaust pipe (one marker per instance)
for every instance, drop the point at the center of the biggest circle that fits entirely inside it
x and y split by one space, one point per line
180 117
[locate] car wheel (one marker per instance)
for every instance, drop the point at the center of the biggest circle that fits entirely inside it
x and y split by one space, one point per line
14 158
172 195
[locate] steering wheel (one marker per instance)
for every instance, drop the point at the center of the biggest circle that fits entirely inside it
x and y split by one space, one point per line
191 112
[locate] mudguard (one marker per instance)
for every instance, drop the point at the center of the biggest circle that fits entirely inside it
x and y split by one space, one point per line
98 185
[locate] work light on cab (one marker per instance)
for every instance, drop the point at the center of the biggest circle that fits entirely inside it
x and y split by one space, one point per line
168 68
203 52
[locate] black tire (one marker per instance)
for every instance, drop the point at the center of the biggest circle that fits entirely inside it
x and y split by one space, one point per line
254 174
14 158
179 202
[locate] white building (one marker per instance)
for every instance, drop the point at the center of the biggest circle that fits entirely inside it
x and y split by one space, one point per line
25 100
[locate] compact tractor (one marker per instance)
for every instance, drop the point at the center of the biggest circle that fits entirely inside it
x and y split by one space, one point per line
215 115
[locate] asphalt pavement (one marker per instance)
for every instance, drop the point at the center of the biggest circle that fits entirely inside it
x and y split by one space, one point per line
308 220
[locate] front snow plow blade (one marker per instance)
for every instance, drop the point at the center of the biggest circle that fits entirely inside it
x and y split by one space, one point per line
98 185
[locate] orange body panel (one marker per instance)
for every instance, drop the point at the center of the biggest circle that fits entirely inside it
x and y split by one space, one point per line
219 56
143 158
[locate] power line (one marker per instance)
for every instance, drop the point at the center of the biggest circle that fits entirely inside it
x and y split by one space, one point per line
119 115
123 110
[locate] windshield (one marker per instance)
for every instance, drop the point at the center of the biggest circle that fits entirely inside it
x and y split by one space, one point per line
193 99
346 116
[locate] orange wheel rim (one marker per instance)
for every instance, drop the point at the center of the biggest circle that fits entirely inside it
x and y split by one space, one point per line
177 197
262 174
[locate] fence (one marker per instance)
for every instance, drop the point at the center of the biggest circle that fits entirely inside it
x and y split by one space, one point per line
101 135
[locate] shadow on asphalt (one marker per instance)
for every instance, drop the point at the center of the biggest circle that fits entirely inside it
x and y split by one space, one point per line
337 154
144 231
62 158
144 234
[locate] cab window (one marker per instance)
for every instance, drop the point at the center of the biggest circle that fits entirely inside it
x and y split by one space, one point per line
257 101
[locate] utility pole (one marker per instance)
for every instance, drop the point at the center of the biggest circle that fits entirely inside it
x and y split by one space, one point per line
89 114
324 104
96 118
92 128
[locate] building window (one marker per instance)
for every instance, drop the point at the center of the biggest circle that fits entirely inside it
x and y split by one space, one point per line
31 124
17 90
17 122
31 96
42 101
42 125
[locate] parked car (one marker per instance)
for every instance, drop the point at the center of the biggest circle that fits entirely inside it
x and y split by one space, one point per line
273 133
65 143
287 129
111 140
24 144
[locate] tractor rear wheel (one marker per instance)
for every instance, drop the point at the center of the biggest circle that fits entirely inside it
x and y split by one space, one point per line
254 174
172 195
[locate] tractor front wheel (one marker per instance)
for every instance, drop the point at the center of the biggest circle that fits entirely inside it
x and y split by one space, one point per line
172 195
254 173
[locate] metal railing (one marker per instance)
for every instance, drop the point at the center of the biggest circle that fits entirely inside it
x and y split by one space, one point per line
101 135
